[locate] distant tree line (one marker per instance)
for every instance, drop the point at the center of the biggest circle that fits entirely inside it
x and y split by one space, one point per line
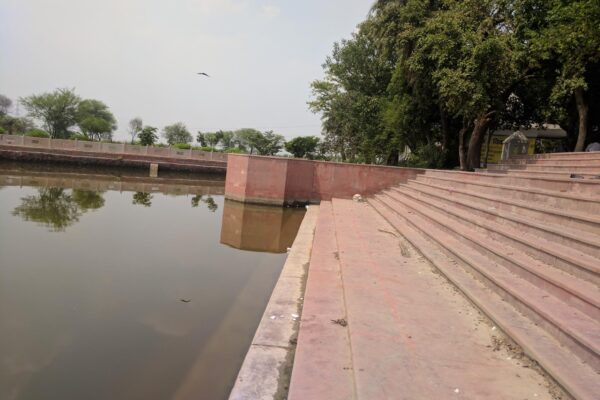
435 76
64 115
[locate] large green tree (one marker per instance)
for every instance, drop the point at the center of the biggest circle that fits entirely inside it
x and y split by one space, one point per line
148 136
570 41
303 146
95 120
56 110
350 99
177 134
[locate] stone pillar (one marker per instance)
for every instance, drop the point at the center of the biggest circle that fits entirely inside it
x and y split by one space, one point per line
153 170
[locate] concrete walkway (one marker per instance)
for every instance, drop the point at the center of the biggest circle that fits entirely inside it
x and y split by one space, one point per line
379 323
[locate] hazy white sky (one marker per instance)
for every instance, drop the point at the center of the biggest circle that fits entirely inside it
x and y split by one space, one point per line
141 57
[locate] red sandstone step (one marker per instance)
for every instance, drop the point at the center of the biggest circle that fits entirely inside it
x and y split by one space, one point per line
542 170
560 156
588 169
323 362
579 379
585 187
562 218
560 200
575 162
529 173
500 247
551 255
586 244
574 329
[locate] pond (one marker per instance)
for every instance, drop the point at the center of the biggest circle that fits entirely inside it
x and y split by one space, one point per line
119 286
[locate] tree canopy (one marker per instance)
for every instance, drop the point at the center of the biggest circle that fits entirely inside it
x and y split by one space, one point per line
177 134
303 146
435 76
95 120
56 110
148 136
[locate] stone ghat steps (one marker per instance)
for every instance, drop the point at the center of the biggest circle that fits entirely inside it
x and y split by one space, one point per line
592 155
581 207
537 211
573 162
589 188
564 169
534 239
564 341
498 250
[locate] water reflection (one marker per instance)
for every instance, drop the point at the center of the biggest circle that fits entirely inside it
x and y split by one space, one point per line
58 208
142 199
63 196
259 228
209 201
94 312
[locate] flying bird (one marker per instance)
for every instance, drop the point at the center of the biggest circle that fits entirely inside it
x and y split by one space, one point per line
185 300
204 73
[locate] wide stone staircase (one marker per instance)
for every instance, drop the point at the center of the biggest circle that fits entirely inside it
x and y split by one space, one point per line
526 232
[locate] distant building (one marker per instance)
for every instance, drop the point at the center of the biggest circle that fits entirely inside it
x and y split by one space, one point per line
544 139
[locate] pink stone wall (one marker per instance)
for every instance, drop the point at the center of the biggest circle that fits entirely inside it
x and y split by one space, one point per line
276 180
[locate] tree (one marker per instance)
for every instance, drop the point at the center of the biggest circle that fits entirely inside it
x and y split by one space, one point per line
135 127
95 120
16 125
269 143
211 138
5 104
201 138
248 139
177 134
350 99
572 36
148 136
227 139
56 110
303 146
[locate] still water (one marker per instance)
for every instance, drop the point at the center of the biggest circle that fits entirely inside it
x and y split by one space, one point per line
117 286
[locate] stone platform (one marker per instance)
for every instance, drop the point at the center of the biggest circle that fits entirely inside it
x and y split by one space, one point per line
450 284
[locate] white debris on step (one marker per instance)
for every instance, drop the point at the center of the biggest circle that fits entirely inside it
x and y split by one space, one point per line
457 390
357 197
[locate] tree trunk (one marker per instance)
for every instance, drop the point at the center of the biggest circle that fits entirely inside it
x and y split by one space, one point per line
582 111
462 153
479 130
487 149
393 157
445 128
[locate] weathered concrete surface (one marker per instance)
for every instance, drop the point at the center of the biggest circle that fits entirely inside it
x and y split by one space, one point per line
409 334
278 181
265 372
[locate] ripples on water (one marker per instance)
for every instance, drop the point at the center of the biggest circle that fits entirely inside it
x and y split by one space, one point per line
93 268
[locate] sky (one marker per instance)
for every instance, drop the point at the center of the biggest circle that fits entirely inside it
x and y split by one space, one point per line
140 57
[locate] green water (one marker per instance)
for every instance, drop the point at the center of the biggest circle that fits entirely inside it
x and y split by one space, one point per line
92 281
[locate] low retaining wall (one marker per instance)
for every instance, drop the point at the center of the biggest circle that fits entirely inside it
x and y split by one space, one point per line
42 154
110 148
281 181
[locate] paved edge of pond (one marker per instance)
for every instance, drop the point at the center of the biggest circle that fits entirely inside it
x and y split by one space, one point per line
266 371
